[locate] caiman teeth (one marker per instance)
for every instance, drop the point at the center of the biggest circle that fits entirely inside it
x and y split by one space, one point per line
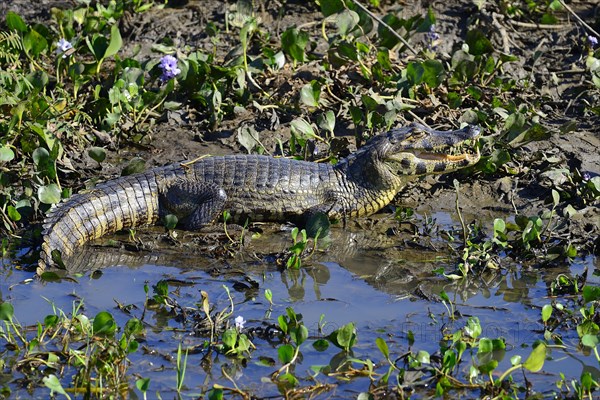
451 156
440 157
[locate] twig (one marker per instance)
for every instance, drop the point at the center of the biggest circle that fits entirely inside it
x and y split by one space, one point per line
389 28
539 26
578 18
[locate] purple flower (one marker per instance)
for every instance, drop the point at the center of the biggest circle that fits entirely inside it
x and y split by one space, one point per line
586 176
432 38
592 41
63 46
239 322
168 65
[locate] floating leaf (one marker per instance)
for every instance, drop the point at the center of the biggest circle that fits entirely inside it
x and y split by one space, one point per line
423 357
473 328
6 311
285 353
536 359
590 341
546 312
591 293
53 383
143 384
104 324
320 344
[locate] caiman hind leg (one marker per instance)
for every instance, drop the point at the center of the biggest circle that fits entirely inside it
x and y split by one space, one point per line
195 204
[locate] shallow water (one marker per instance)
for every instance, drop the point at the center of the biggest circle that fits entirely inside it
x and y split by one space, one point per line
385 288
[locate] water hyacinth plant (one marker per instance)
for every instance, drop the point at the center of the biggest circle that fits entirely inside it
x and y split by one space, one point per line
168 65
62 48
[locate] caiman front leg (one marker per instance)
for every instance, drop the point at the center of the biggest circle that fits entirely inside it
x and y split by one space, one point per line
195 204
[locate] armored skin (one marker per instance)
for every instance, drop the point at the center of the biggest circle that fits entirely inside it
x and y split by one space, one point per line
260 188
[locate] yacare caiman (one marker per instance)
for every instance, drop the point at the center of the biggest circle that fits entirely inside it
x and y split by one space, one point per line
260 188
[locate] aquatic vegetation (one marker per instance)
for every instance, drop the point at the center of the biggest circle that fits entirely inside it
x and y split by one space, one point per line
80 84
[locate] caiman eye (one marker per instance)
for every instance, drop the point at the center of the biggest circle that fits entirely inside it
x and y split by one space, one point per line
417 134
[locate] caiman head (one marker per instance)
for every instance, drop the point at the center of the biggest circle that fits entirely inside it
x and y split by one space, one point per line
392 159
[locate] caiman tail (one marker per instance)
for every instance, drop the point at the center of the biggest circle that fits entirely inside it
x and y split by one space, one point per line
123 203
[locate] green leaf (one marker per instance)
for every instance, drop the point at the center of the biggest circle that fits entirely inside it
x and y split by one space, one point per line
6 154
133 327
536 359
591 293
346 336
97 154
320 344
104 324
293 43
52 383
285 353
170 221
383 347
590 340
546 312
13 214
49 194
308 96
478 43
488 367
143 384
57 258
433 73
15 22
485 345
135 166
329 7
6 311
300 127
34 43
444 296
230 338
473 328
215 394
299 334
423 357
326 121
346 21
317 225
115 42
414 73
499 225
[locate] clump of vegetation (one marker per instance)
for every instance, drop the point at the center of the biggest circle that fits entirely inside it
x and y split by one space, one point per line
70 88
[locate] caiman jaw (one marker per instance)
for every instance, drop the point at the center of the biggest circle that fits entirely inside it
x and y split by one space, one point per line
423 162
427 156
